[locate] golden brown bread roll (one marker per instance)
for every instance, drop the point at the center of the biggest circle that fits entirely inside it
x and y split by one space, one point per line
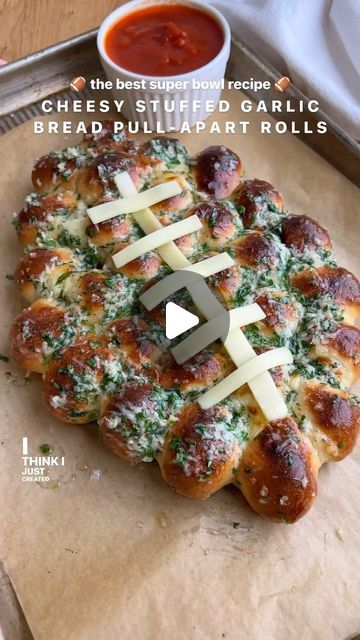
177 203
39 213
220 223
256 200
145 267
72 384
227 283
187 244
339 283
42 270
105 357
170 153
107 233
301 233
282 312
278 472
199 455
344 343
217 171
38 332
200 372
340 347
97 179
100 296
335 421
124 422
130 337
256 251
50 172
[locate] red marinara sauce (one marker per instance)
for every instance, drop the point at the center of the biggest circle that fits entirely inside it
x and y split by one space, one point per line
164 40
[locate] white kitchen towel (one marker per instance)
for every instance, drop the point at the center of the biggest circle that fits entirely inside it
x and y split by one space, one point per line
315 42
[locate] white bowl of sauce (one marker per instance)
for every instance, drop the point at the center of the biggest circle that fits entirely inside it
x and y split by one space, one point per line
163 49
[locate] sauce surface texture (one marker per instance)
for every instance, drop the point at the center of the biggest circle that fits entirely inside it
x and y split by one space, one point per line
164 40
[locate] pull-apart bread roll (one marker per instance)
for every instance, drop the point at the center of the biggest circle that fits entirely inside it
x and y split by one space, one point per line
104 355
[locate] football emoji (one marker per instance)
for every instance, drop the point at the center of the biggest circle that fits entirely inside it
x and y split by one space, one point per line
282 84
78 83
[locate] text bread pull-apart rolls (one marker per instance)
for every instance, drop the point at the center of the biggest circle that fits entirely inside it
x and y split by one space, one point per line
105 357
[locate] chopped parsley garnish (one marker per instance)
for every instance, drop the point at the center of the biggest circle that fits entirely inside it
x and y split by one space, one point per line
45 449
63 277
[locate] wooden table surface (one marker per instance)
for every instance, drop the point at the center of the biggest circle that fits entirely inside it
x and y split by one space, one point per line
29 25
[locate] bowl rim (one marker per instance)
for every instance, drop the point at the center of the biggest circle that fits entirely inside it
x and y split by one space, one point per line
128 7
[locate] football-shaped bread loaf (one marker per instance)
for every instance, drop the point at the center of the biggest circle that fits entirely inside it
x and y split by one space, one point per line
104 357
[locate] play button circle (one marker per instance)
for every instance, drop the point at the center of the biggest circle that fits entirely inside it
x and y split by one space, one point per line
178 320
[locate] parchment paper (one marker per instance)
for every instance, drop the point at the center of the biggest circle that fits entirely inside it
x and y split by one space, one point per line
122 556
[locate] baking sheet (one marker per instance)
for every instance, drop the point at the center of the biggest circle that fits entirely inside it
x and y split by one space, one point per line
55 66
109 551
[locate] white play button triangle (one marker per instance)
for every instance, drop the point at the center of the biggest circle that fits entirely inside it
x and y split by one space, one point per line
178 320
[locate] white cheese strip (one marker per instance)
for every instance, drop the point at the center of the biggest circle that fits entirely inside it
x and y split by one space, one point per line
263 387
241 316
135 202
156 239
214 329
244 374
169 285
268 397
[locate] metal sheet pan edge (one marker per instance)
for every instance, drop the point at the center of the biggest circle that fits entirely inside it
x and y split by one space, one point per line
25 82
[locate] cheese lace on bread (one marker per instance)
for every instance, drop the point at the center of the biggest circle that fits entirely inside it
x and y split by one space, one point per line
105 357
